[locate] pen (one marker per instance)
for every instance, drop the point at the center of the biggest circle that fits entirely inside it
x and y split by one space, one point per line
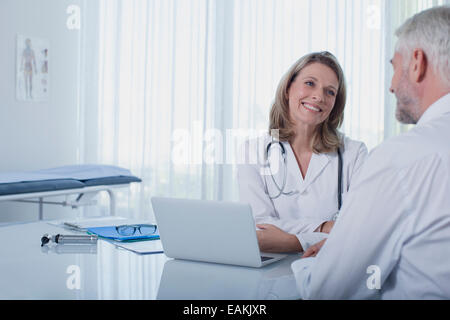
73 226
68 239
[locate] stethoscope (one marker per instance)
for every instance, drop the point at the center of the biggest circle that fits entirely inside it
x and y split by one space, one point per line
281 190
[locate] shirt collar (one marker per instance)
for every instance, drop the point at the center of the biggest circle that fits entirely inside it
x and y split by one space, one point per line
316 165
438 108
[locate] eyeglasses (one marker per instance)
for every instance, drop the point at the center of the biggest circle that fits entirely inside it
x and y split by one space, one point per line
130 230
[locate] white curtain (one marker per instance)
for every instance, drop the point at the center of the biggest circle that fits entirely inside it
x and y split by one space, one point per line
156 69
175 75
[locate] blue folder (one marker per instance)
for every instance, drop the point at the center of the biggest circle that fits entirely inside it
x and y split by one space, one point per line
111 233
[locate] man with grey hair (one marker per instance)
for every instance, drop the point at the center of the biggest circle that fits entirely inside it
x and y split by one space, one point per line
392 240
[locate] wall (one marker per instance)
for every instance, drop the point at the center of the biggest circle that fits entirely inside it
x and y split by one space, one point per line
37 135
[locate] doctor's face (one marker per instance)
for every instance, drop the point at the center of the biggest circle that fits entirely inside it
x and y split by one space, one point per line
312 94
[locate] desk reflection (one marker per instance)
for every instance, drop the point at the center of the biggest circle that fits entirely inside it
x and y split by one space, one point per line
123 274
70 249
189 280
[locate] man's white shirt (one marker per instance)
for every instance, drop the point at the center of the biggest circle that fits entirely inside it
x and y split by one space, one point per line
392 239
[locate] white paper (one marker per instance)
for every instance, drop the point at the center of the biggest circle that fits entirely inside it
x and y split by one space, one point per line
141 247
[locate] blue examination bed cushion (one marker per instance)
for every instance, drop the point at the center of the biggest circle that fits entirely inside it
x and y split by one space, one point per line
61 178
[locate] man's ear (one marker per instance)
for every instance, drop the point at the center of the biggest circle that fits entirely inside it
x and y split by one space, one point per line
418 67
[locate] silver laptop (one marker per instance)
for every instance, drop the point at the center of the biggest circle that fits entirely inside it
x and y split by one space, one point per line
209 231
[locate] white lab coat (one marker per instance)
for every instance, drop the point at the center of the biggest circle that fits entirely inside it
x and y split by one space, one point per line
316 200
392 239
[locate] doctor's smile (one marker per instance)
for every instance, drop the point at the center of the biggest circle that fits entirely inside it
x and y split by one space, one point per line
311 107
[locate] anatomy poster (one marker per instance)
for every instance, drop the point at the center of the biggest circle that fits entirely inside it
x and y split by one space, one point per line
32 78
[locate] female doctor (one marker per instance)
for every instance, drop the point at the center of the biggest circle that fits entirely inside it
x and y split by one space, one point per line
294 193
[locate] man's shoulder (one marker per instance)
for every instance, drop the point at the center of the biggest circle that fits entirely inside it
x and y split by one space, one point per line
408 148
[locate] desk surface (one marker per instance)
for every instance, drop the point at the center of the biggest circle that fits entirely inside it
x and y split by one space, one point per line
103 271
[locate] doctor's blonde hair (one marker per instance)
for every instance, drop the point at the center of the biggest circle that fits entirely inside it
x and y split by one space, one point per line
327 137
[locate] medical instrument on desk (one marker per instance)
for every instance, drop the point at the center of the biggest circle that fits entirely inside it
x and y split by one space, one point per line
281 190
68 239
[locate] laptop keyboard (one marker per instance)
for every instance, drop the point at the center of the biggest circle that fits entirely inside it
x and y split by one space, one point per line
265 258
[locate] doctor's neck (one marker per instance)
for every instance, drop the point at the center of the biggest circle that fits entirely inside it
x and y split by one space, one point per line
303 139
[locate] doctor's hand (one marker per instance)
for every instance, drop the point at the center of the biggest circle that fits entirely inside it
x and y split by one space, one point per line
273 239
314 249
